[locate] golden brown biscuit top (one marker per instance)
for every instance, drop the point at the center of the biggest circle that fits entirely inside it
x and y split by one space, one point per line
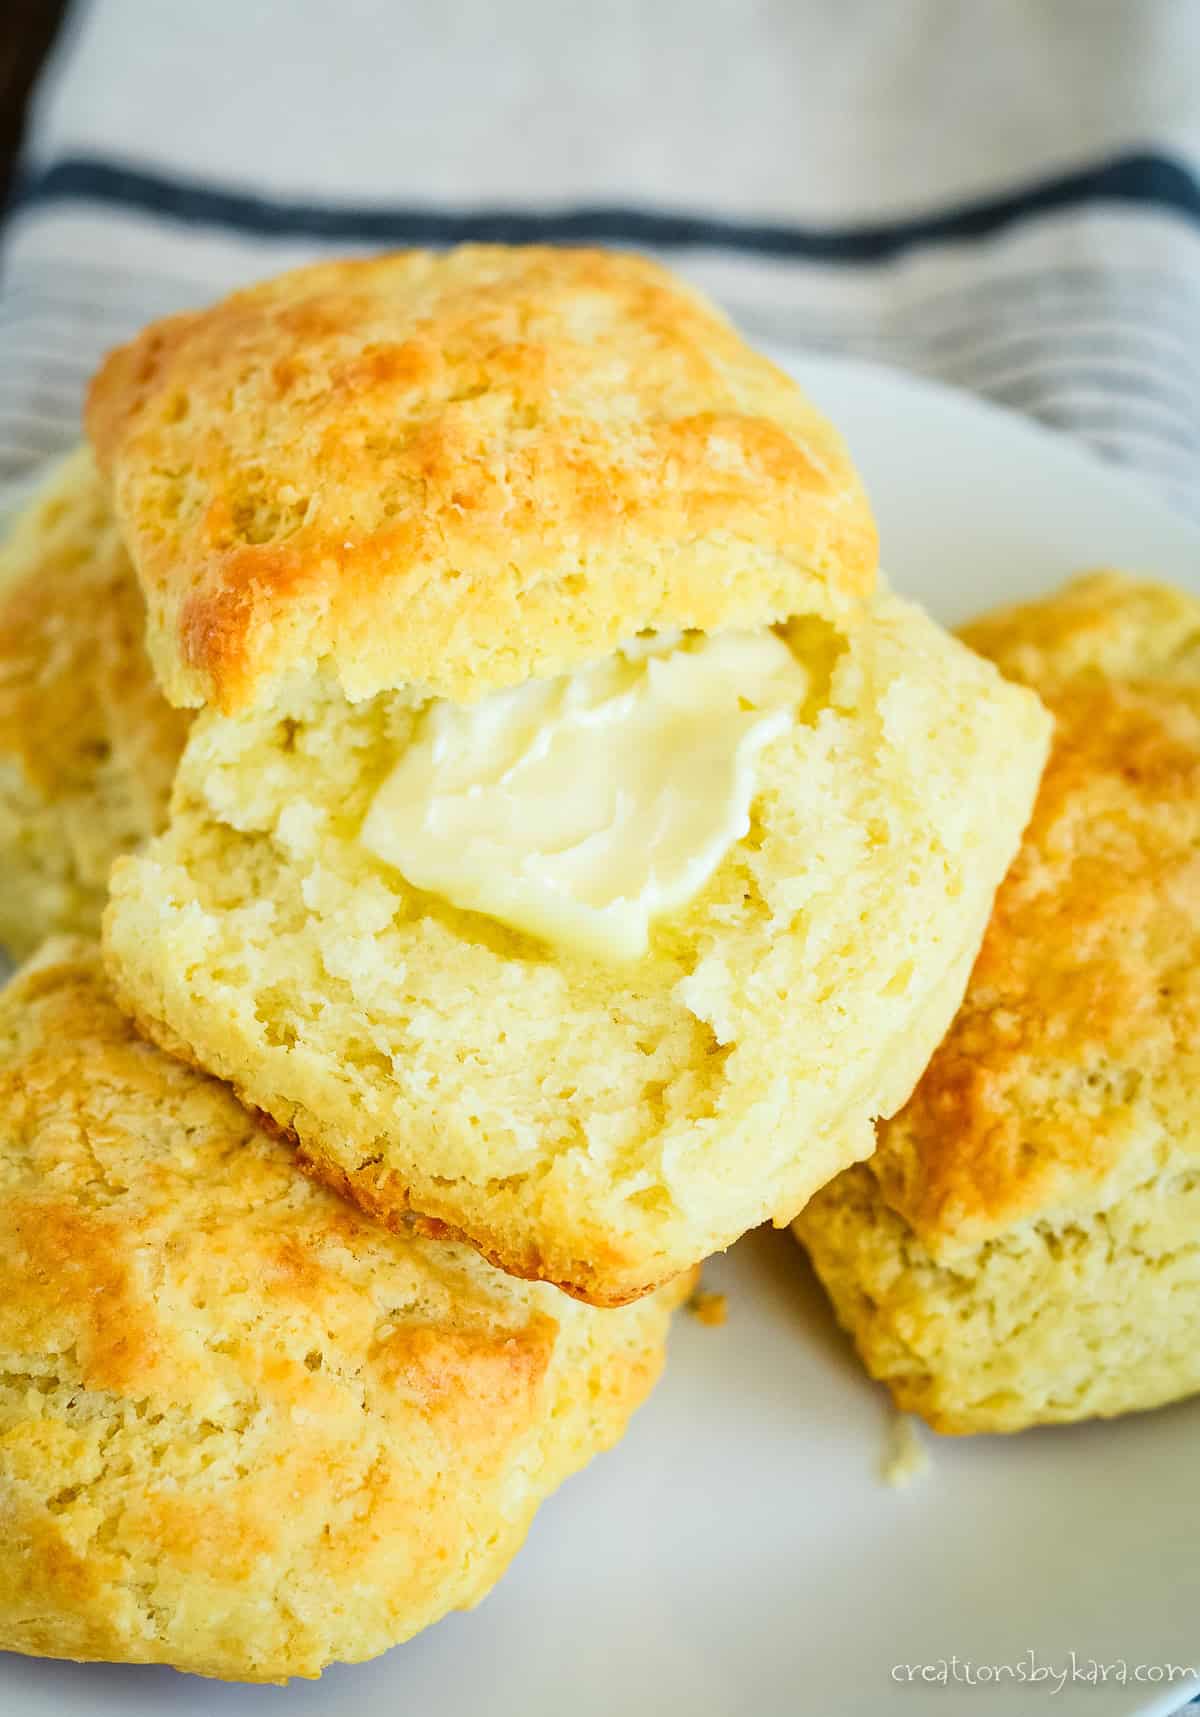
457 471
1078 1044
150 1231
1100 623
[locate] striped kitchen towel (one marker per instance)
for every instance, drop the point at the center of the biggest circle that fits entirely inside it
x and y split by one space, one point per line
1004 197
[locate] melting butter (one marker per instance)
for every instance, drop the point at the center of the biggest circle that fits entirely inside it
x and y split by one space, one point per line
582 808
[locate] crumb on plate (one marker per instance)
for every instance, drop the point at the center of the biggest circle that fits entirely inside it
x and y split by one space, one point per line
711 1309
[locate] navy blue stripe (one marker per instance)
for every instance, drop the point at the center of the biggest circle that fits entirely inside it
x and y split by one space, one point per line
1143 179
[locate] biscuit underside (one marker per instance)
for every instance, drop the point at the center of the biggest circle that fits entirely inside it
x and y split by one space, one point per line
1048 1323
600 1127
244 1431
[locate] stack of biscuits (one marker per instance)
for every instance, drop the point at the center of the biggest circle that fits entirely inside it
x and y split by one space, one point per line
485 836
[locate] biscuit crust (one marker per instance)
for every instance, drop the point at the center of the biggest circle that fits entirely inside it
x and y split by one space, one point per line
457 471
243 1430
88 743
1021 1246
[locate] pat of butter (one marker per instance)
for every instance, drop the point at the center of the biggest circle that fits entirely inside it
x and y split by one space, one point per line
581 808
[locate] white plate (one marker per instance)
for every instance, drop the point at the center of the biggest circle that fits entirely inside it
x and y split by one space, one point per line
738 1553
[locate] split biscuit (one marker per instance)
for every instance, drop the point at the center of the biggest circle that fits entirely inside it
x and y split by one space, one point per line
407 518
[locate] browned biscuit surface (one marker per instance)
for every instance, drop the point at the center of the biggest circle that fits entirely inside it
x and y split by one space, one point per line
1087 988
243 1430
1022 1244
457 471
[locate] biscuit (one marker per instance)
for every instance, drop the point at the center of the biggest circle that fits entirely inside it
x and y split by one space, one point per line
1021 1249
88 744
244 1431
455 472
599 1126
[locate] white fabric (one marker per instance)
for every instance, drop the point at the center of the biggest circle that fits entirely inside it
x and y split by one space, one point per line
820 119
